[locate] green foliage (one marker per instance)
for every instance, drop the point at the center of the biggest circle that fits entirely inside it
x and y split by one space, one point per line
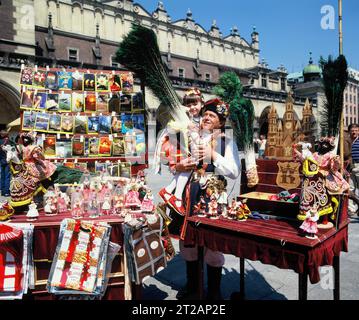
335 78
241 110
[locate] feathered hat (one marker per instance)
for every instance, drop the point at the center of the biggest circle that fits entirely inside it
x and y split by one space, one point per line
218 107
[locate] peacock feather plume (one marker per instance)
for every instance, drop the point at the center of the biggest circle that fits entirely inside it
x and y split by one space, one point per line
241 110
335 78
139 52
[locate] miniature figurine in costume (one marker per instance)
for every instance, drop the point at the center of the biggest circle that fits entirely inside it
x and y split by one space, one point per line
213 208
310 224
147 202
242 210
6 211
106 206
172 194
320 171
201 206
32 214
132 197
232 212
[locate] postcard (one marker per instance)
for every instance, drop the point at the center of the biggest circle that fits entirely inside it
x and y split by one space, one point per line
114 103
104 124
52 102
114 81
102 103
130 144
137 102
40 100
65 80
100 167
82 166
90 102
126 103
140 144
127 82
28 120
102 82
49 146
42 122
125 169
27 98
89 82
80 124
77 80
26 76
65 102
116 124
105 146
113 169
55 123
127 123
39 79
67 124
51 82
77 102
94 144
63 148
139 122
78 147
93 124
118 146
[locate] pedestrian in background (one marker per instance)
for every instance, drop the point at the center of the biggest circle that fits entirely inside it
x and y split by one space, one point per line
4 167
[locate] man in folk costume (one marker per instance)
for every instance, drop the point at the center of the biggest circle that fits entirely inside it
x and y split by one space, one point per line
219 158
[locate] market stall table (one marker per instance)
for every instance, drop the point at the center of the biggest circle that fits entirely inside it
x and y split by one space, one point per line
275 241
46 232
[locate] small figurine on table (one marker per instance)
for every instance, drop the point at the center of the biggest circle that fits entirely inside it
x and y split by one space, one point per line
223 202
309 225
242 210
232 212
118 204
77 209
92 209
62 202
32 214
213 208
50 206
201 207
132 198
147 203
106 206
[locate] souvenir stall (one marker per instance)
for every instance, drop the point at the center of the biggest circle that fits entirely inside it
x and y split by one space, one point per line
81 210
290 213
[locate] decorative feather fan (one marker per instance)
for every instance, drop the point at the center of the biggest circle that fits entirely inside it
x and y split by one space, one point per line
335 78
139 52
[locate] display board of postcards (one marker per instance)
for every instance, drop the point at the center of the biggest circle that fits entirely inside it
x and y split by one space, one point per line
85 119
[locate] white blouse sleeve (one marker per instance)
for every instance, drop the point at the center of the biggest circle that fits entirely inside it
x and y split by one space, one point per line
229 165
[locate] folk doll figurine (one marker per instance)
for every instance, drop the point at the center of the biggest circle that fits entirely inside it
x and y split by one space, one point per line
232 212
132 198
147 203
62 202
118 204
202 207
32 214
172 194
223 203
106 206
77 211
92 208
213 208
309 225
242 210
6 211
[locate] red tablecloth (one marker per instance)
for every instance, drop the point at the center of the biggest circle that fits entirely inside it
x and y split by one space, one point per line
274 242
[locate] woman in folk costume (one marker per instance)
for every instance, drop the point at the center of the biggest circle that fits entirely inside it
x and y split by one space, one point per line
172 193
219 158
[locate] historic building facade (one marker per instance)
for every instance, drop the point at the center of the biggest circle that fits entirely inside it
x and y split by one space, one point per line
86 34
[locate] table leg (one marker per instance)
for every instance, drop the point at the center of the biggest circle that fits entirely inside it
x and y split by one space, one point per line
336 266
242 285
200 273
303 285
